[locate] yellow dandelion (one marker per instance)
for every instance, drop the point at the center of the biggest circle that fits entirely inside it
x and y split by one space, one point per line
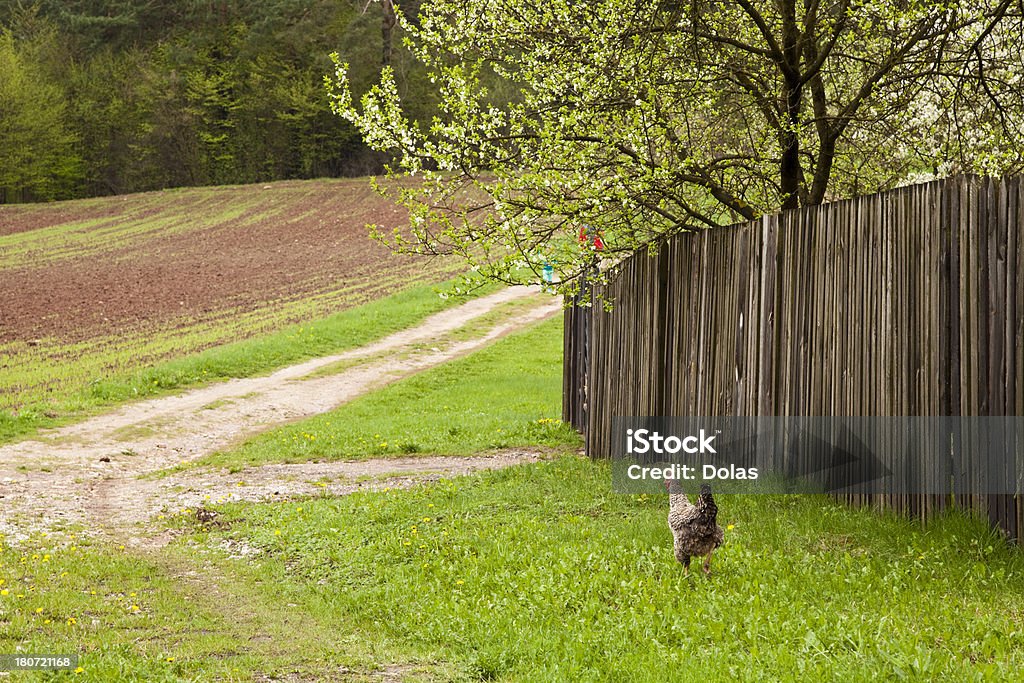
407 543
5 592
459 582
426 519
170 659
135 608
277 532
46 621
79 670
299 509
131 595
39 610
731 527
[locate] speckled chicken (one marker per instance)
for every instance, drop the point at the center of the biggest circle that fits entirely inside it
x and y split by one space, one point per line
694 527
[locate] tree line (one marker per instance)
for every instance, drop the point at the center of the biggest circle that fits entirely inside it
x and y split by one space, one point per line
105 97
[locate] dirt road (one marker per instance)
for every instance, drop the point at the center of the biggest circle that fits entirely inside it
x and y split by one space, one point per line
93 472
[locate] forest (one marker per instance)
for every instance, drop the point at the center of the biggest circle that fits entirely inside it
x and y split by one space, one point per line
101 97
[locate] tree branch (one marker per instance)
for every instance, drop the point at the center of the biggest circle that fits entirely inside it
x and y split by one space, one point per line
775 51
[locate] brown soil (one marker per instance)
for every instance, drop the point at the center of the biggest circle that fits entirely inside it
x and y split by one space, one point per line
26 217
294 240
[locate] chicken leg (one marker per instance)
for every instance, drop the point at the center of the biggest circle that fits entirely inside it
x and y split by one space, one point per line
707 563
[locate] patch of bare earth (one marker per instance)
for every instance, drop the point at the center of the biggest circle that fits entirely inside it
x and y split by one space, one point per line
89 473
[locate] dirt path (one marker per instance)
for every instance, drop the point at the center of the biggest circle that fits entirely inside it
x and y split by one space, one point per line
89 472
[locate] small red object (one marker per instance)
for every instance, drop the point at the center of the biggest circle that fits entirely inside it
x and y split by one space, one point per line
597 242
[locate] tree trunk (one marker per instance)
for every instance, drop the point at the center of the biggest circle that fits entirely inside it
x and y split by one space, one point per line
387 29
790 172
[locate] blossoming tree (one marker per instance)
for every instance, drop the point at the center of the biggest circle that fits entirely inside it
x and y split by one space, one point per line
643 119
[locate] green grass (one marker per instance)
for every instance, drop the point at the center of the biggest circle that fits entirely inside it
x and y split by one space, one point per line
540 572
507 394
67 596
91 375
473 329
133 616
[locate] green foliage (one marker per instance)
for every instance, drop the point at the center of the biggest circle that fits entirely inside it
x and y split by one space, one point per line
109 107
506 395
646 119
37 157
141 95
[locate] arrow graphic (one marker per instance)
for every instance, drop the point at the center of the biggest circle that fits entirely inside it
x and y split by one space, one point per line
835 461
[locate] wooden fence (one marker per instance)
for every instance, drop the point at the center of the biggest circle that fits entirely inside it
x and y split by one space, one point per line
908 302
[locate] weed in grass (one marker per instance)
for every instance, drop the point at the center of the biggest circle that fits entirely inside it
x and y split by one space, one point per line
63 594
220 403
138 432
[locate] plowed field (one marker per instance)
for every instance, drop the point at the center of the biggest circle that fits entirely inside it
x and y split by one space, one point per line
154 275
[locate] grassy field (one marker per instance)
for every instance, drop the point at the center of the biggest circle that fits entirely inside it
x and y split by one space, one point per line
538 572
535 573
